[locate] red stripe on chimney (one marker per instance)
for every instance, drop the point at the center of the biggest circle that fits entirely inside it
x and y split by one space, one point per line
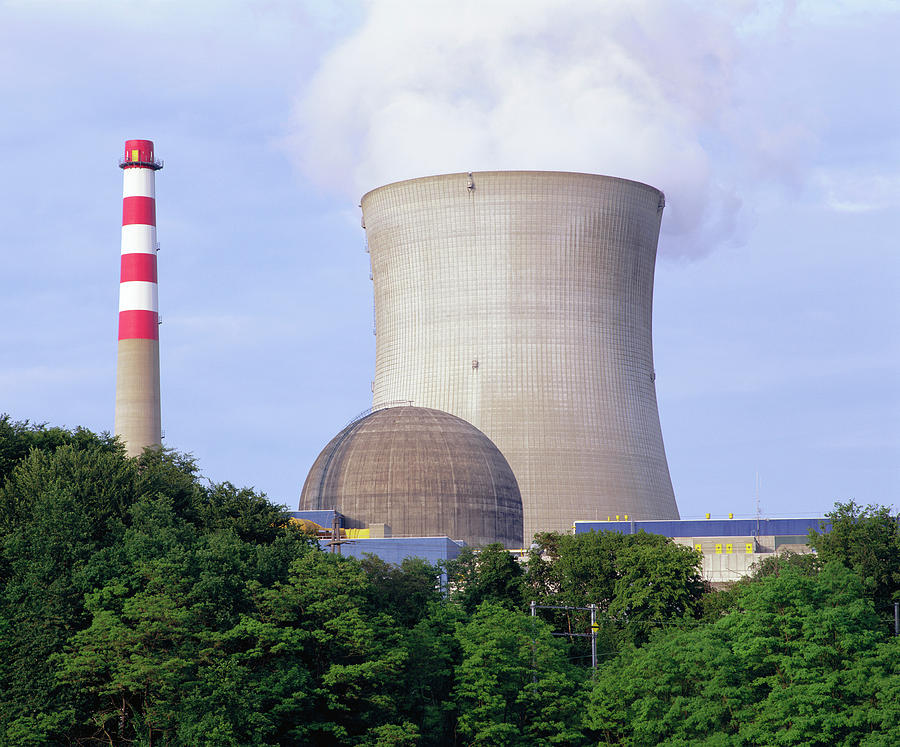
138 210
138 325
138 266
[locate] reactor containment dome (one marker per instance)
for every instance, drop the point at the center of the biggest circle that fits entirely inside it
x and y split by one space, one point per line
521 302
423 472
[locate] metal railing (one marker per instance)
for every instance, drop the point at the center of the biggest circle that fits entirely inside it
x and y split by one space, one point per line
156 164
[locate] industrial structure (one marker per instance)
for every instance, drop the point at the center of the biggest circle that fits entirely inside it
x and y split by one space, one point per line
416 472
137 420
521 302
729 548
328 528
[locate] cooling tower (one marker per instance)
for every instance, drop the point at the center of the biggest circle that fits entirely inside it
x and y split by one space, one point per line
521 302
137 370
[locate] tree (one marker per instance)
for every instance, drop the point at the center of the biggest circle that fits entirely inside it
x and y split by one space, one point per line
404 592
61 508
637 581
252 517
658 581
490 574
806 564
434 653
514 685
116 574
866 540
798 640
17 439
803 661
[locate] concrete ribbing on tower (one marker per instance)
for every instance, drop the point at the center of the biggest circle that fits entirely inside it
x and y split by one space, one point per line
138 421
522 303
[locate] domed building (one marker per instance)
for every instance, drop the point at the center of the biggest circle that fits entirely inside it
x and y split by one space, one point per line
422 472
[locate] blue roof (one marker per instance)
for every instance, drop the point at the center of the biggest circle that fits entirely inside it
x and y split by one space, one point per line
708 527
396 549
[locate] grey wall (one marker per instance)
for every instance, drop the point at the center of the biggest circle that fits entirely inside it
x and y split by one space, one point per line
544 279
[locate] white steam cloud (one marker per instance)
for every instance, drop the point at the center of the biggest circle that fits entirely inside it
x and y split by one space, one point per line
642 89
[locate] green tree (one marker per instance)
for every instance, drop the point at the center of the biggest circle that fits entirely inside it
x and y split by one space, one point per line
514 685
434 653
62 507
802 661
115 575
490 574
405 591
249 514
658 581
17 439
772 565
637 581
866 540
316 665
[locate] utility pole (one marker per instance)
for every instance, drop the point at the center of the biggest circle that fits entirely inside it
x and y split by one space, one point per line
533 645
595 627
896 618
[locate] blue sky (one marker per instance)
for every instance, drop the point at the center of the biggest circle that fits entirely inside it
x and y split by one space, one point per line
772 128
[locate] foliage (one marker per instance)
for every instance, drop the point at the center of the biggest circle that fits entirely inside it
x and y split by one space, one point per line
806 564
139 605
405 592
514 685
866 540
638 581
717 602
429 676
111 575
491 574
801 662
17 439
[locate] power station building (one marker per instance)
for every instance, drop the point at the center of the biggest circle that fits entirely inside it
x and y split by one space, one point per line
416 472
521 301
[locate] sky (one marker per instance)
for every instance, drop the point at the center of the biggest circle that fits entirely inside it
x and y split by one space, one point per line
772 127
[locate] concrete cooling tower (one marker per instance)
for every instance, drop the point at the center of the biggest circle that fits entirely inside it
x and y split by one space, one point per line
521 302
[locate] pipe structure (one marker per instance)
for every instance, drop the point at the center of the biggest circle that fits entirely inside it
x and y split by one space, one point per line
521 301
138 420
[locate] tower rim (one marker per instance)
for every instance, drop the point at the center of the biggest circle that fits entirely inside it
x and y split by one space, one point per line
514 172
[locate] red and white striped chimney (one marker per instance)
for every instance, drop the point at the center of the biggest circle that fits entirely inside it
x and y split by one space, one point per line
138 421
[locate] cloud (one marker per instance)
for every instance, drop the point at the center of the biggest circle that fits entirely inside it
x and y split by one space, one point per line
850 191
580 86
681 95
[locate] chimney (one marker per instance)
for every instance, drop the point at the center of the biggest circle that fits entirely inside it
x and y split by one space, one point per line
138 421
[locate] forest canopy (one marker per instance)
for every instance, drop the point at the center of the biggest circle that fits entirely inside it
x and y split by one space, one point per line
142 605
